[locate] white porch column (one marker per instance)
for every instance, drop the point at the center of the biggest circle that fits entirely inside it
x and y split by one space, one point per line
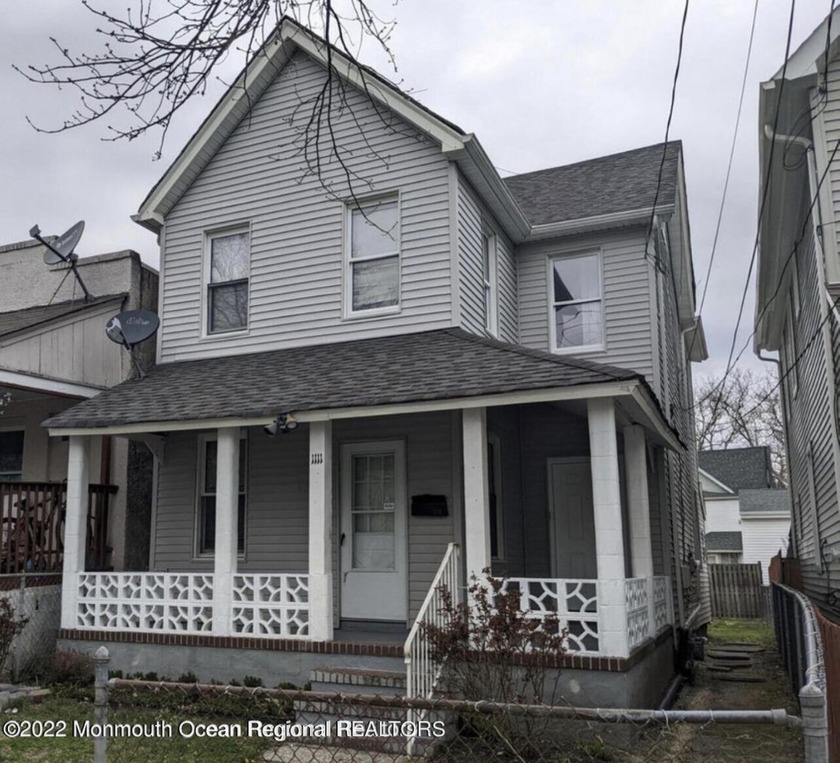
476 492
75 525
320 531
635 469
609 541
227 527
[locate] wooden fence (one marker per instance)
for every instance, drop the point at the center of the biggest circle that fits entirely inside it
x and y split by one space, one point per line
737 590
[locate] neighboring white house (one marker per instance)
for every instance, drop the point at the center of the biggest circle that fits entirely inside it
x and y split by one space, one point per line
747 520
798 290
446 357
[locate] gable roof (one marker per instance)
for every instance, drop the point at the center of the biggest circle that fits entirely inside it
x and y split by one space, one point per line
724 541
426 366
20 320
739 468
606 185
768 501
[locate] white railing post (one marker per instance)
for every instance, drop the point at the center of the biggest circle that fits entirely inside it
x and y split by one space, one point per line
75 526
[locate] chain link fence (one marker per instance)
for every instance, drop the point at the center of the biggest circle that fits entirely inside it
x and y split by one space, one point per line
35 600
141 720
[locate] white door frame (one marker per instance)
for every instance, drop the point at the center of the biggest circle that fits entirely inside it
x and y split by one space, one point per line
552 520
348 450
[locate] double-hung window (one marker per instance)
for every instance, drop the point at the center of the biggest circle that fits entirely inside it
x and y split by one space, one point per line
577 320
207 467
491 282
373 256
228 271
11 455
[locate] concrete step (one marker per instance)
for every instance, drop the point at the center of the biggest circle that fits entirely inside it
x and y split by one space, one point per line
385 683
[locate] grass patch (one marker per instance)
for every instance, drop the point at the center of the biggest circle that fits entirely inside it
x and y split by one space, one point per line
175 748
742 631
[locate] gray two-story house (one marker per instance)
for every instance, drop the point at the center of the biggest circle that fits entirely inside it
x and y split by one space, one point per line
399 370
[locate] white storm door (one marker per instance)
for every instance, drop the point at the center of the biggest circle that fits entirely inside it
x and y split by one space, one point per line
572 518
373 531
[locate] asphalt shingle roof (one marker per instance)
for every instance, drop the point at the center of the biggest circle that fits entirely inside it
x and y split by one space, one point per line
432 365
757 502
17 320
724 541
617 183
739 468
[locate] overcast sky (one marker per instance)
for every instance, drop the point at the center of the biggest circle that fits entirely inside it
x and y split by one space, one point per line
541 84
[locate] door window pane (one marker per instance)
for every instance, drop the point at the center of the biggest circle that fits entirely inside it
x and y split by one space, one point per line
373 511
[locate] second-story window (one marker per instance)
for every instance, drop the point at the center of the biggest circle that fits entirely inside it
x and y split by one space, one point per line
373 257
577 321
491 282
227 281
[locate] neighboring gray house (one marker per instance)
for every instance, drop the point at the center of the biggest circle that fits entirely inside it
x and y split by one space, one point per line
53 353
799 288
747 518
502 365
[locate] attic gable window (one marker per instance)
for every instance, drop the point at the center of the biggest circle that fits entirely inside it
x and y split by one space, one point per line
373 257
576 303
227 281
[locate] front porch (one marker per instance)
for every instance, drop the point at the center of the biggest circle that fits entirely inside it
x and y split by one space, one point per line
477 468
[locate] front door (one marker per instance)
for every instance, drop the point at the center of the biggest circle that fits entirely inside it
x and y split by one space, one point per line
373 531
572 518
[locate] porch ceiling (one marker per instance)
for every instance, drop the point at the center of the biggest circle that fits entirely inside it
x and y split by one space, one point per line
435 369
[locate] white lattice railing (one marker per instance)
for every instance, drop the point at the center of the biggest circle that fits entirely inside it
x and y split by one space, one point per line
637 609
271 605
173 602
661 603
573 602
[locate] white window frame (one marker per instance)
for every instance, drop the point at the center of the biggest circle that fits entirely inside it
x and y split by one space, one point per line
206 285
349 260
490 279
494 467
4 476
552 304
201 463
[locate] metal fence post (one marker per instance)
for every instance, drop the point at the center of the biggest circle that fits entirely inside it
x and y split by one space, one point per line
814 724
100 660
20 612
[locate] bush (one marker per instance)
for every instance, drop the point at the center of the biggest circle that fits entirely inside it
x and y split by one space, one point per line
70 669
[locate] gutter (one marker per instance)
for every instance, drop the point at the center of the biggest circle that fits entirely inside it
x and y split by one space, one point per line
598 222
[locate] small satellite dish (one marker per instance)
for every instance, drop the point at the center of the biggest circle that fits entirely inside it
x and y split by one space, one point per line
61 250
131 328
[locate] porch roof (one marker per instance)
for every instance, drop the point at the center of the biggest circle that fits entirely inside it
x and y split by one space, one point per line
427 367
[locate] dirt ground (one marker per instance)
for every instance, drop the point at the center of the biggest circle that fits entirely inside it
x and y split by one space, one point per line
738 743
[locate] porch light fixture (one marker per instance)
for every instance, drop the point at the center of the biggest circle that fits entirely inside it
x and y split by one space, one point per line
284 424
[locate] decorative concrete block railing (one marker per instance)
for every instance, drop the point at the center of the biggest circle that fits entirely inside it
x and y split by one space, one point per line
574 602
271 605
637 608
169 602
661 603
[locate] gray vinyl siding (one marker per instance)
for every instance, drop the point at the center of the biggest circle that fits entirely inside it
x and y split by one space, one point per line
828 117
277 499
258 178
626 296
809 427
277 523
473 216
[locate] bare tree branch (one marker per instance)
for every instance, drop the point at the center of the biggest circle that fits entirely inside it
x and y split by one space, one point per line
744 410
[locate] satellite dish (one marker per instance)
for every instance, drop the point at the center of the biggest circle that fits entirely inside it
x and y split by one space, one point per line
61 250
132 327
